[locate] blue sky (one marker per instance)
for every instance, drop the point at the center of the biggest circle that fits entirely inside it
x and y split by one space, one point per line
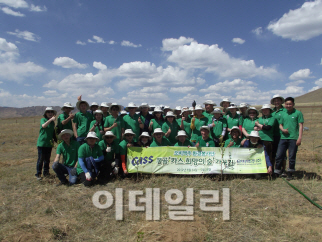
159 52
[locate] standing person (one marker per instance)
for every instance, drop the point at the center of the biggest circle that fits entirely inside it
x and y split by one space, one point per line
197 121
159 139
104 107
225 103
128 141
233 118
158 119
144 140
145 117
204 140
170 127
209 106
177 112
89 156
97 125
218 126
114 122
123 113
277 101
265 125
82 121
45 141
93 107
243 108
69 150
234 139
133 121
185 122
111 151
291 125
165 110
183 140
249 122
64 120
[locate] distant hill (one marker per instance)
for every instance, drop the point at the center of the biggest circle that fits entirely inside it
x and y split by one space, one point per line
310 97
9 112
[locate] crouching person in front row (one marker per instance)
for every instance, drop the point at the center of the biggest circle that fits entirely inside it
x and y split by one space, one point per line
89 154
69 150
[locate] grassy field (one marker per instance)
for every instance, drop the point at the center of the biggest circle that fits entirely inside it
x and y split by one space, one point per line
261 210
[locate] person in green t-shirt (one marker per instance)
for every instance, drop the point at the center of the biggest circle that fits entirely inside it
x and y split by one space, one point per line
197 121
133 121
225 103
177 112
183 140
157 120
170 127
97 125
234 140
249 122
128 141
144 140
64 120
291 125
218 126
89 157
104 107
185 122
233 119
68 149
82 121
242 109
159 139
145 116
204 140
45 141
209 108
114 122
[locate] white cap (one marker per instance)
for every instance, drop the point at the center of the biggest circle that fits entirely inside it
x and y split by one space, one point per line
217 110
157 109
224 100
198 107
277 96
128 131
98 111
91 135
67 105
254 134
145 134
266 106
169 114
65 131
235 128
209 102
94 104
50 109
204 127
181 133
158 130
252 108
178 108
108 133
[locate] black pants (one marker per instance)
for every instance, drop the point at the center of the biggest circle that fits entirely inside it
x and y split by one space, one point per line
44 154
84 181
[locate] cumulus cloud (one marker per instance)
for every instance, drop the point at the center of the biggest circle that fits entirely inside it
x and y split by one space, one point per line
182 89
112 42
8 50
96 39
25 35
215 60
67 62
301 74
99 65
227 86
238 41
78 42
172 44
300 24
15 3
9 11
102 92
34 8
318 84
295 83
18 71
129 44
50 93
258 31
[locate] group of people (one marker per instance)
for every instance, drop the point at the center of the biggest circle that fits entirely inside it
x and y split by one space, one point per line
92 144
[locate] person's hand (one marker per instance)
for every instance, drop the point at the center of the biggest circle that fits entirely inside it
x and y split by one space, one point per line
231 143
285 131
193 119
256 128
242 142
270 170
53 118
71 115
129 145
116 170
169 131
88 176
139 120
125 172
197 145
96 124
102 132
256 123
151 123
213 124
183 119
79 98
298 142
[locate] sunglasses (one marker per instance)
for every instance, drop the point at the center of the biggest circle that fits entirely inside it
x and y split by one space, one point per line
158 134
128 135
49 111
109 137
115 109
131 108
252 112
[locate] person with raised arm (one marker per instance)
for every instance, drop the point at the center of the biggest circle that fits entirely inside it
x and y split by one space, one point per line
197 121
114 122
82 121
218 126
170 127
133 121
185 122
64 120
158 119
209 108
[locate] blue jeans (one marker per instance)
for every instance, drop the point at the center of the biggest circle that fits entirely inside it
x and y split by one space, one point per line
80 140
61 170
44 154
283 145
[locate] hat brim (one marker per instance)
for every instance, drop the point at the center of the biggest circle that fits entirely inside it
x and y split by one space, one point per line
145 136
181 135
65 131
252 109
272 100
240 133
55 112
128 133
62 109
103 136
92 138
119 106
127 108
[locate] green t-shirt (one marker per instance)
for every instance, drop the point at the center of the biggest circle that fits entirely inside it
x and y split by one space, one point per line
117 131
174 131
165 142
278 115
267 135
45 138
185 143
249 124
220 124
115 149
61 118
123 147
198 123
83 121
236 143
104 117
97 129
69 152
291 121
234 121
209 116
186 126
131 122
205 143
157 123
86 151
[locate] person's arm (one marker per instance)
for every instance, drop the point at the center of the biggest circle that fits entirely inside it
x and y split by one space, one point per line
285 131
48 122
123 164
99 159
182 125
192 125
141 124
299 139
245 132
57 158
75 130
82 164
71 116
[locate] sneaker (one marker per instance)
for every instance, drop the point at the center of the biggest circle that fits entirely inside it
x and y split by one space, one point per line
38 177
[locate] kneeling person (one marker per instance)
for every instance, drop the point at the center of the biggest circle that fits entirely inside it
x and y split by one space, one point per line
182 138
234 140
204 140
159 139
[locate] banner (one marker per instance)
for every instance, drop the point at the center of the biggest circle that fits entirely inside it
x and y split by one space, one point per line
206 160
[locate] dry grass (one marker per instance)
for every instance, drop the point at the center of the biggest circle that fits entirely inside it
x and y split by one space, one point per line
261 210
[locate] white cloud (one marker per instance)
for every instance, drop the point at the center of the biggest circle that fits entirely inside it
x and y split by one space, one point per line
8 50
25 35
295 83
182 89
34 8
301 74
139 96
229 86
9 11
173 44
238 41
78 42
258 31
129 44
215 60
112 42
15 3
90 41
314 88
300 24
50 93
318 84
67 62
102 92
18 71
99 65
98 39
